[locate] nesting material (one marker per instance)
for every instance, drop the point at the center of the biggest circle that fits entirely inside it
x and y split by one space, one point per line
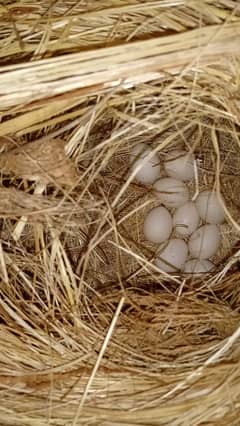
91 331
44 161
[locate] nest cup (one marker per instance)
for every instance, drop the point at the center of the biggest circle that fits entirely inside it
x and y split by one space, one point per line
213 172
92 333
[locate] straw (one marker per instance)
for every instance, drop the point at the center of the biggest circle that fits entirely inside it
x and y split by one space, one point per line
91 332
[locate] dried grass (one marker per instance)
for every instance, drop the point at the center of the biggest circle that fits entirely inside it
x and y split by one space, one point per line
91 333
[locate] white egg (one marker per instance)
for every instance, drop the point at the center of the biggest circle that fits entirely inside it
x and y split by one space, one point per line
149 170
173 256
197 266
209 207
158 225
179 164
186 219
171 192
204 242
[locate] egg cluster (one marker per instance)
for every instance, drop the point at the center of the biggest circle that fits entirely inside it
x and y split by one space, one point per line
194 223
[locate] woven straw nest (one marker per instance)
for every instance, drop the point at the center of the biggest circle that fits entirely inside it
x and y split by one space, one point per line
90 332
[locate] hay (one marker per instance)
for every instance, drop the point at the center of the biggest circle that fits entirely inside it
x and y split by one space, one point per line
91 332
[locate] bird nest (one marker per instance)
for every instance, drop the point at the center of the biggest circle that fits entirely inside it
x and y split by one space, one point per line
92 333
